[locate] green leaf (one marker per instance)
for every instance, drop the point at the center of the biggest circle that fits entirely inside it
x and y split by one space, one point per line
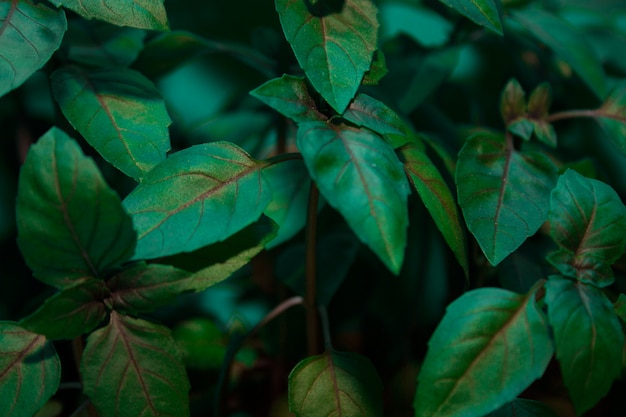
482 12
437 198
30 370
620 307
612 117
198 196
377 70
588 339
132 367
71 312
335 384
360 176
141 14
489 347
538 109
142 288
289 96
334 46
568 43
512 102
504 193
523 408
202 343
119 112
427 27
587 221
26 47
71 225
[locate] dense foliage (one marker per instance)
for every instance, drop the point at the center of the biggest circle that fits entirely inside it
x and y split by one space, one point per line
312 208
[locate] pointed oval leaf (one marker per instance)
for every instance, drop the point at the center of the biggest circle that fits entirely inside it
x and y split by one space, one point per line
482 12
437 198
133 367
587 221
504 194
71 225
71 312
612 116
289 96
568 43
335 384
26 47
359 175
198 196
333 45
141 14
512 102
489 347
588 338
30 371
119 112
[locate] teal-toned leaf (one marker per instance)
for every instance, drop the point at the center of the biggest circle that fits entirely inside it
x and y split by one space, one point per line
588 338
333 45
119 112
359 174
612 117
377 70
620 307
71 312
512 102
489 347
71 225
437 198
198 196
26 47
142 288
521 407
587 221
291 183
335 384
289 96
504 193
202 343
133 367
421 23
30 370
568 43
482 12
141 14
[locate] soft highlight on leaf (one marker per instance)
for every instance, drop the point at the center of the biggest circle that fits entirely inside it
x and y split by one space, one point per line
482 12
71 225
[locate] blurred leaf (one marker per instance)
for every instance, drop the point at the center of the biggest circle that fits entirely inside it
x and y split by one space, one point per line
504 193
141 14
334 45
289 96
71 312
142 288
587 221
377 70
620 307
335 383
30 370
523 408
71 225
359 174
198 196
568 43
202 343
482 12
588 339
489 347
513 102
612 116
538 108
26 47
132 367
422 24
119 112
438 199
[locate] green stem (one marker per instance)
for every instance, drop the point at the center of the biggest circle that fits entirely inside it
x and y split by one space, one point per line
325 328
311 273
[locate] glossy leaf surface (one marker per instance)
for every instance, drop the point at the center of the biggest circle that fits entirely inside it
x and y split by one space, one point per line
482 12
119 112
612 116
588 338
587 221
132 367
30 370
288 95
335 384
504 193
142 14
489 347
333 45
71 225
359 175
27 47
198 196
71 312
437 198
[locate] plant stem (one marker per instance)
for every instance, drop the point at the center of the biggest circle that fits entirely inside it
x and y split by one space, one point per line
311 272
571 114
325 327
